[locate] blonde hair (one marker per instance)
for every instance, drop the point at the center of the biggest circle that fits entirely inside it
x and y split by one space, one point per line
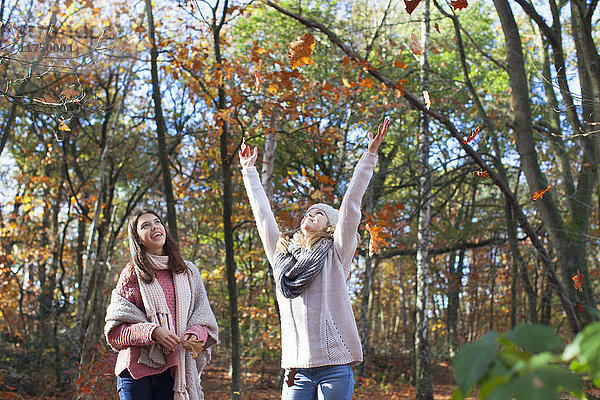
305 239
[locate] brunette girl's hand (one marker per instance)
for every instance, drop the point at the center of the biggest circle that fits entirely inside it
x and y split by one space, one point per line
165 338
375 142
188 336
247 159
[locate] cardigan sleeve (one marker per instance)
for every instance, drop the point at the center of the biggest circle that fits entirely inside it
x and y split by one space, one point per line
344 236
261 208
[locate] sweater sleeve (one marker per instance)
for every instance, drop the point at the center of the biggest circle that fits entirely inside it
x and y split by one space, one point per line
200 331
344 236
261 208
139 334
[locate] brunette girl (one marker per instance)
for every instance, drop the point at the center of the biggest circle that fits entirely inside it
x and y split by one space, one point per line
159 305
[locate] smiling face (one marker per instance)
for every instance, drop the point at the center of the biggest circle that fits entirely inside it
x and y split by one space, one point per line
314 220
152 233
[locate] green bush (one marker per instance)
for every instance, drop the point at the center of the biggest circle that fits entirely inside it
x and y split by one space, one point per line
530 362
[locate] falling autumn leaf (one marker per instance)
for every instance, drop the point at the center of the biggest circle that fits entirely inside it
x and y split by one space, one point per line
63 127
377 240
474 133
459 4
436 27
539 194
345 82
411 5
415 45
578 281
300 50
427 99
580 307
257 80
481 174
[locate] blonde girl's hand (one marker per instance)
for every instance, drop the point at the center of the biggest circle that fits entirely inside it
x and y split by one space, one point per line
165 338
247 158
375 142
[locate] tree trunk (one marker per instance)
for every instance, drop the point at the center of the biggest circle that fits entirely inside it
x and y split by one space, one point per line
455 275
569 250
423 374
161 129
230 265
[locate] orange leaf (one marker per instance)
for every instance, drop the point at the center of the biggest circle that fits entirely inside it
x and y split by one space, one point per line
411 5
367 82
346 61
300 50
415 45
399 64
63 127
539 194
580 307
377 240
481 174
459 4
578 281
474 133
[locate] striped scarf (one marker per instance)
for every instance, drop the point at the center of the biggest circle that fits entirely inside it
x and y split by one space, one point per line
295 269
158 312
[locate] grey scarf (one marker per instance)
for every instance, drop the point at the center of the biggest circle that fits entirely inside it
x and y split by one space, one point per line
299 266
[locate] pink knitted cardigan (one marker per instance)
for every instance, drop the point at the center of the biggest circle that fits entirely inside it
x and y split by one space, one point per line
134 336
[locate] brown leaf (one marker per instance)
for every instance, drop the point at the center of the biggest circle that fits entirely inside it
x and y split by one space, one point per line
436 27
194 345
459 4
300 50
415 45
291 376
474 133
411 5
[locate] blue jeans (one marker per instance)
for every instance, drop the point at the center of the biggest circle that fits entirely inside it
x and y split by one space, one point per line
153 387
332 382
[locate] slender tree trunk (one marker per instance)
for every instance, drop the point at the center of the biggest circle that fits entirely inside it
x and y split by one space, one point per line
423 374
161 129
455 268
569 249
230 265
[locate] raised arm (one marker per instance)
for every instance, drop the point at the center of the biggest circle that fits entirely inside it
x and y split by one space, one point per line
344 237
261 208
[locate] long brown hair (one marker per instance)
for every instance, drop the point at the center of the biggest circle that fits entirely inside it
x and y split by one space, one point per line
307 239
139 254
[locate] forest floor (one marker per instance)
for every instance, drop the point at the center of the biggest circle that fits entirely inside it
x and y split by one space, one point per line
386 379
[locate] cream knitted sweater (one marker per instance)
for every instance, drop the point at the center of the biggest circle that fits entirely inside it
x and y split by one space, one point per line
318 327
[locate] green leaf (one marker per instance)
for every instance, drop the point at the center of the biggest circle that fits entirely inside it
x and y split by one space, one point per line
457 395
535 338
531 387
472 361
560 378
